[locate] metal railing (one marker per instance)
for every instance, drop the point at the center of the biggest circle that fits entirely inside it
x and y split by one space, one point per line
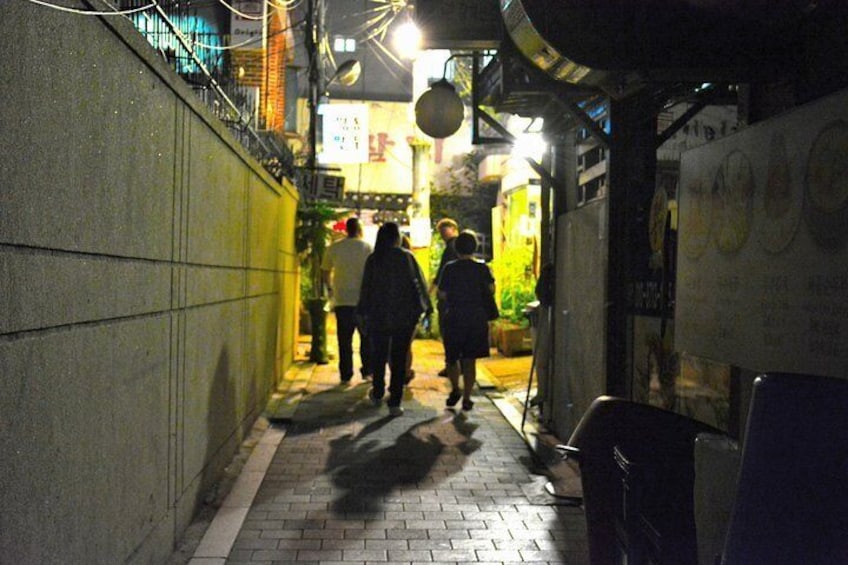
189 39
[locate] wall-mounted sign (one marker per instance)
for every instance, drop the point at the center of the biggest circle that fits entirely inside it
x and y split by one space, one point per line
246 23
762 279
327 187
345 133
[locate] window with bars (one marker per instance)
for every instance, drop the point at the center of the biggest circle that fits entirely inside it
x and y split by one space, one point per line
198 29
592 161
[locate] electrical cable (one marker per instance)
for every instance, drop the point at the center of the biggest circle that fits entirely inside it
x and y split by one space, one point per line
386 54
373 25
94 12
285 4
242 14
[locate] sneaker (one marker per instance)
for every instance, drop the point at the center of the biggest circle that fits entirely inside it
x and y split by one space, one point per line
443 372
453 398
375 400
467 405
395 411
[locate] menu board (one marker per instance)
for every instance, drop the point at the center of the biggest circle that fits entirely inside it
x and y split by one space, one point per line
762 278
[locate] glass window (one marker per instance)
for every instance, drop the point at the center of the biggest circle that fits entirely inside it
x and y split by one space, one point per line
344 44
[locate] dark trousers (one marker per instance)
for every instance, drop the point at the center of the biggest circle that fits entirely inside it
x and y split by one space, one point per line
440 308
345 326
391 347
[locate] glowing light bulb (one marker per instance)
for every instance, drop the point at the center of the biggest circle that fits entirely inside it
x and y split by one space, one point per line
531 145
407 40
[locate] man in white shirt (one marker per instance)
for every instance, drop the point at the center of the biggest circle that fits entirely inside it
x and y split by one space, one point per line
342 266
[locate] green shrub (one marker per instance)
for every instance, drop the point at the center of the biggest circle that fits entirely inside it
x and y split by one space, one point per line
312 235
515 282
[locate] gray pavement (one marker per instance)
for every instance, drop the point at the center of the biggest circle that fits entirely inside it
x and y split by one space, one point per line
337 480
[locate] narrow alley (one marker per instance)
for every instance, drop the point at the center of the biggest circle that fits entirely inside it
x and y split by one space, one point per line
337 480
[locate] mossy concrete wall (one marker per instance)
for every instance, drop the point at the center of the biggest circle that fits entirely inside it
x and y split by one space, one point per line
147 285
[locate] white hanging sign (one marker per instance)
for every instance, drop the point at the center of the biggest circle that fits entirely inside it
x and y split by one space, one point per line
345 134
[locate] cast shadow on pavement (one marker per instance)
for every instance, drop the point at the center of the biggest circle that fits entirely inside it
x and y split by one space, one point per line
372 472
339 404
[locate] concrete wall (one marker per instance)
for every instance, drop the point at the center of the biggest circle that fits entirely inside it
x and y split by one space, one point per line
147 282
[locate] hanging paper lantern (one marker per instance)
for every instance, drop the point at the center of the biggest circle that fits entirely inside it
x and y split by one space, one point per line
439 111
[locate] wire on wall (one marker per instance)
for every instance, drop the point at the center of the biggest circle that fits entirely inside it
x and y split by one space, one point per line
81 12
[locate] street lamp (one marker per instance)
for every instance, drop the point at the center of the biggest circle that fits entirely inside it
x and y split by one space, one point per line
439 111
347 73
407 40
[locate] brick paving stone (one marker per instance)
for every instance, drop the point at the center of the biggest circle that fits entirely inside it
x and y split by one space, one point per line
275 554
302 543
350 485
461 555
365 555
410 555
248 543
319 555
397 544
344 543
516 544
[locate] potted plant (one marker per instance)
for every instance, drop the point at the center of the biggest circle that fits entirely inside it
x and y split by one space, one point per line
515 285
312 235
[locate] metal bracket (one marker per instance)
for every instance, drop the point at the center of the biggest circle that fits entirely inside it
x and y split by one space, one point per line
509 138
568 104
705 97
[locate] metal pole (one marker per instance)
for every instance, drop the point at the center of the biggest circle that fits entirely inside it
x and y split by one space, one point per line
529 386
313 36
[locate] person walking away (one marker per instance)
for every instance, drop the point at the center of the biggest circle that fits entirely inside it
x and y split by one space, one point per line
448 230
392 300
410 372
342 266
465 287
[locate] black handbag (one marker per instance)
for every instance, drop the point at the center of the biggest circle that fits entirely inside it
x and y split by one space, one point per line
424 304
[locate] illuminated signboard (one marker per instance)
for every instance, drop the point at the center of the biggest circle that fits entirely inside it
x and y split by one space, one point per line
345 133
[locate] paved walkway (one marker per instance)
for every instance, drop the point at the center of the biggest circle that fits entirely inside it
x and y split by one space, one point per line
340 481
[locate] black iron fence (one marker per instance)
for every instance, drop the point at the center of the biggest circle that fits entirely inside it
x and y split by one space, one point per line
193 38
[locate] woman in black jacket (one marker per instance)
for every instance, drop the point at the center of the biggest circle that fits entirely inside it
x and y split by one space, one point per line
392 299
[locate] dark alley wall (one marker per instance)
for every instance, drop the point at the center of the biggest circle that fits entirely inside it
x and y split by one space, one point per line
147 283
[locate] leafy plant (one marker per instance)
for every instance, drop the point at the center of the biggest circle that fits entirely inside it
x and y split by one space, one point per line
515 282
312 235
457 193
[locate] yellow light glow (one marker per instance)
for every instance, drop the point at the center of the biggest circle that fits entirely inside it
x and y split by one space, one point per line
531 145
407 40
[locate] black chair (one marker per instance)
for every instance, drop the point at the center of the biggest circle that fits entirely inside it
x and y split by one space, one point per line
791 502
637 473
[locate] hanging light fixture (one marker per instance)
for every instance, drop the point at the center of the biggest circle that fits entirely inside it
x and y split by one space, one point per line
407 40
439 111
347 74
